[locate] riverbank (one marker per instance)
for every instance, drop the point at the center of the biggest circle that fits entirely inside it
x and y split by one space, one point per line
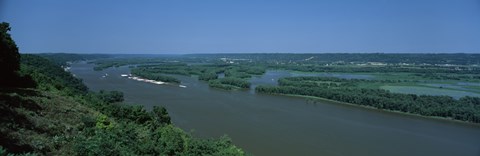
130 76
377 109
145 80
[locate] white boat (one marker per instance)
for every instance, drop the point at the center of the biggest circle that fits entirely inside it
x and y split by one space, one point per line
182 86
124 75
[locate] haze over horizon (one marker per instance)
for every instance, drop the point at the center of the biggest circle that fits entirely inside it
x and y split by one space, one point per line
216 26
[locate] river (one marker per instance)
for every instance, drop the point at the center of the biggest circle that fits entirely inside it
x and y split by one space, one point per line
280 125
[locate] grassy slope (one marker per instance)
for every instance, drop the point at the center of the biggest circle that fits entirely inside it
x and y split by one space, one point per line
34 120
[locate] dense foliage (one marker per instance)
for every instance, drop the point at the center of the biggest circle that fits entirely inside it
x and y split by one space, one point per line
207 76
229 83
50 76
244 71
9 58
61 117
344 90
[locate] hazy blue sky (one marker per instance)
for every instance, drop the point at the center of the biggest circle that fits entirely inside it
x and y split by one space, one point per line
206 26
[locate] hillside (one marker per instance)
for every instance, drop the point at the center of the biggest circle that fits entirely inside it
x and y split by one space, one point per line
57 115
40 121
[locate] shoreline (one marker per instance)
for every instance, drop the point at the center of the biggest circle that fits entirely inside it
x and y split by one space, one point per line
378 109
136 78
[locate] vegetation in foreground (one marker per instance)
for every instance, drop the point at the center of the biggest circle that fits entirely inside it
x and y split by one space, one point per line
53 113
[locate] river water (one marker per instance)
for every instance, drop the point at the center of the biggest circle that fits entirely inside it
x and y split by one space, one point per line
280 125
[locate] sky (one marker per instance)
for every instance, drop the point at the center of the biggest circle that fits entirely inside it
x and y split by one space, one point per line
244 26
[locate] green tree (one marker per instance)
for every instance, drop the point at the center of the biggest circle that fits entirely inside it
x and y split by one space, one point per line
9 57
160 115
172 139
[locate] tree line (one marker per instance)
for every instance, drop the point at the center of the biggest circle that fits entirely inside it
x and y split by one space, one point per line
229 83
153 76
458 59
465 108
379 69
